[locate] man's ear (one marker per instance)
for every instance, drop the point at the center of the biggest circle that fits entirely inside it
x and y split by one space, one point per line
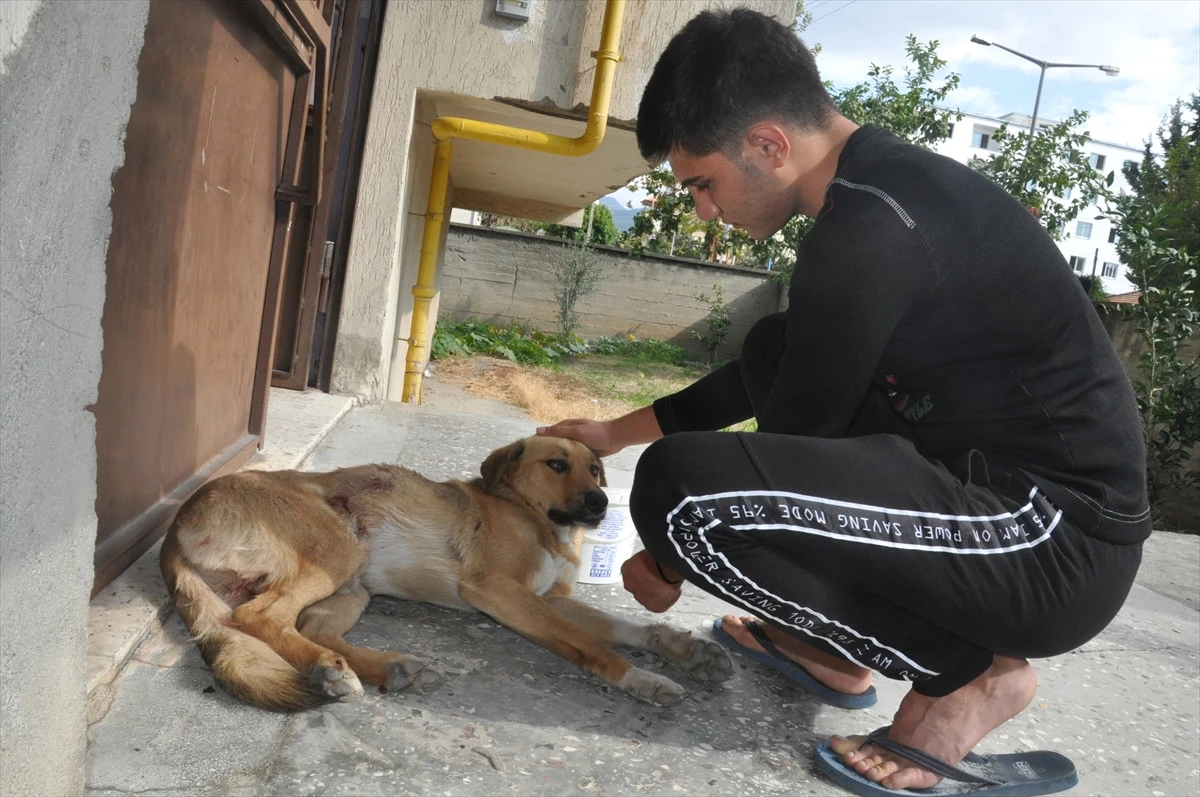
767 143
493 468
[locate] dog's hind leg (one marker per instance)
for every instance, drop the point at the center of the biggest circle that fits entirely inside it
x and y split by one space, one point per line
271 616
327 621
700 658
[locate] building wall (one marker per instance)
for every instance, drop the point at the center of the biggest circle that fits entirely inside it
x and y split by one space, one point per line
506 277
1094 250
460 47
68 78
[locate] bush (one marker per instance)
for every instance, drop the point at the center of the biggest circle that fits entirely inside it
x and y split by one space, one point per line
640 350
530 347
526 347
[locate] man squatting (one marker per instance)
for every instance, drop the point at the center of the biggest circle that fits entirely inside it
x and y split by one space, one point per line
947 477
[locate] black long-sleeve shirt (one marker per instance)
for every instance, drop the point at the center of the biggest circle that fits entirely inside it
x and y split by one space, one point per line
926 281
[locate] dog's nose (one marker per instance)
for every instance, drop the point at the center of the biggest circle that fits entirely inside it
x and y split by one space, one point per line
596 501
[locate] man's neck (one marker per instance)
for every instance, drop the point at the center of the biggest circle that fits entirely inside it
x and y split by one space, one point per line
819 152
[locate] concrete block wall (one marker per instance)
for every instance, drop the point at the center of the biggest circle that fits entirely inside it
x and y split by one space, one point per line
1180 509
507 277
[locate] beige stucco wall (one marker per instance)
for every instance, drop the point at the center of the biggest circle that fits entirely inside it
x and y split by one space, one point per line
461 47
68 78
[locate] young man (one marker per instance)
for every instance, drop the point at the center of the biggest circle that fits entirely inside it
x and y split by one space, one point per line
948 474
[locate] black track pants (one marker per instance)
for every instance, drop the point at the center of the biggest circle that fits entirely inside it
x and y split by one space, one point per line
866 549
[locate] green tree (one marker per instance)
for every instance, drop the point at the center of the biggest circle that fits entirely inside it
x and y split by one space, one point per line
1168 387
597 219
1158 224
668 224
717 321
576 275
1049 173
913 111
1168 188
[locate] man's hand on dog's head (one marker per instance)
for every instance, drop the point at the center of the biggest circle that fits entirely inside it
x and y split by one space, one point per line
593 434
648 588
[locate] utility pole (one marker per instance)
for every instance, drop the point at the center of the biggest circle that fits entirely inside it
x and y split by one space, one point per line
1111 71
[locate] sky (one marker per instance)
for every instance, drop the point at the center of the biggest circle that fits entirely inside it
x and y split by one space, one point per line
1155 43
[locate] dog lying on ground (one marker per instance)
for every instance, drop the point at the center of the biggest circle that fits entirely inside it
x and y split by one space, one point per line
270 569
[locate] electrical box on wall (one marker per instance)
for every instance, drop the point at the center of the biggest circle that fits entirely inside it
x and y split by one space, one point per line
513 9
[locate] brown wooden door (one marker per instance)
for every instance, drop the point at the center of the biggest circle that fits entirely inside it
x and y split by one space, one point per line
196 252
312 273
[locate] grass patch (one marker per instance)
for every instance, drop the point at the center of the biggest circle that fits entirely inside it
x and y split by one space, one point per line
563 376
633 382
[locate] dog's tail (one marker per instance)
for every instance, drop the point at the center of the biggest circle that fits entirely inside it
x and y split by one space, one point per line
245 667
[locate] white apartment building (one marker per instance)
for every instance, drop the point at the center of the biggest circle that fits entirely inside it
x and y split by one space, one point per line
1090 243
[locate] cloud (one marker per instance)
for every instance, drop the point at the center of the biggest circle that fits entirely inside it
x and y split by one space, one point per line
978 100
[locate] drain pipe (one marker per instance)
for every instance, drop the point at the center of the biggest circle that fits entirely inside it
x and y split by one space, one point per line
445 130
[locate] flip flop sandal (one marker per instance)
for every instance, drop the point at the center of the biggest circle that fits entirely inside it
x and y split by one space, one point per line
777 660
1004 775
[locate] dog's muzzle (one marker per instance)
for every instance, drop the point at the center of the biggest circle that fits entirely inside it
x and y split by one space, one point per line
588 512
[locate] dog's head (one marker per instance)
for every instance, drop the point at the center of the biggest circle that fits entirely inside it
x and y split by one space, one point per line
561 477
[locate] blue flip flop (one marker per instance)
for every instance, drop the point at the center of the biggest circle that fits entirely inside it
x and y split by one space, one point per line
1005 775
776 660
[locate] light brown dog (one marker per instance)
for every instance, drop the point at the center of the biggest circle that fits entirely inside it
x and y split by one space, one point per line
270 569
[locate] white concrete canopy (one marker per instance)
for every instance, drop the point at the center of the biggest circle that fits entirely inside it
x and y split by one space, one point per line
512 181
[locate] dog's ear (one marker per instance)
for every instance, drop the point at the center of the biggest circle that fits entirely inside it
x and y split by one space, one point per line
600 462
493 468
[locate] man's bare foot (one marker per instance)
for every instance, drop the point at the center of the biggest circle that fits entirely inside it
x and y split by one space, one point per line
838 674
944 727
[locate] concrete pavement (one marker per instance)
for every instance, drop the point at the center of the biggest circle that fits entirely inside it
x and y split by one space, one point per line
512 719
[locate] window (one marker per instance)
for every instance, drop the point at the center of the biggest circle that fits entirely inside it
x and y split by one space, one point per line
1066 194
1097 160
1110 270
1078 263
1083 229
1112 235
982 139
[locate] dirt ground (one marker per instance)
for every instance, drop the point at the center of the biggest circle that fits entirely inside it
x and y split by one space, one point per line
547 395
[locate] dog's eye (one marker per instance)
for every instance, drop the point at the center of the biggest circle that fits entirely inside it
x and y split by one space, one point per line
557 465
595 471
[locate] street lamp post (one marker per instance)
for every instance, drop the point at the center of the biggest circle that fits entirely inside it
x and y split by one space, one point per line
1111 71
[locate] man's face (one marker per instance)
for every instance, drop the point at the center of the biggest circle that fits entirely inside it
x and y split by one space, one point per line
741 193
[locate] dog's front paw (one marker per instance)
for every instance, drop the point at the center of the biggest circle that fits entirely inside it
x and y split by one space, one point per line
336 681
709 662
702 659
652 687
409 671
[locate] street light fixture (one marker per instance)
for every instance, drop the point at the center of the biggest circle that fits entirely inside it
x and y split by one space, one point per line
1111 71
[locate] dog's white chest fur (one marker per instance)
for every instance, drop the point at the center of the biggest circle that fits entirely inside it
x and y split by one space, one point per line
554 568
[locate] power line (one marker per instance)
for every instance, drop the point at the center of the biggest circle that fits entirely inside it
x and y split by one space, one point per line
834 11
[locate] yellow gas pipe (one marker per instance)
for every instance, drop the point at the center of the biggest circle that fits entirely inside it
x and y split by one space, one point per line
446 129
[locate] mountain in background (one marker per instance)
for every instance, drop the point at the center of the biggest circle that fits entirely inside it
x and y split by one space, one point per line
622 216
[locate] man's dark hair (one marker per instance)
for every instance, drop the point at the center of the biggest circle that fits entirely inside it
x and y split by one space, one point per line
722 73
